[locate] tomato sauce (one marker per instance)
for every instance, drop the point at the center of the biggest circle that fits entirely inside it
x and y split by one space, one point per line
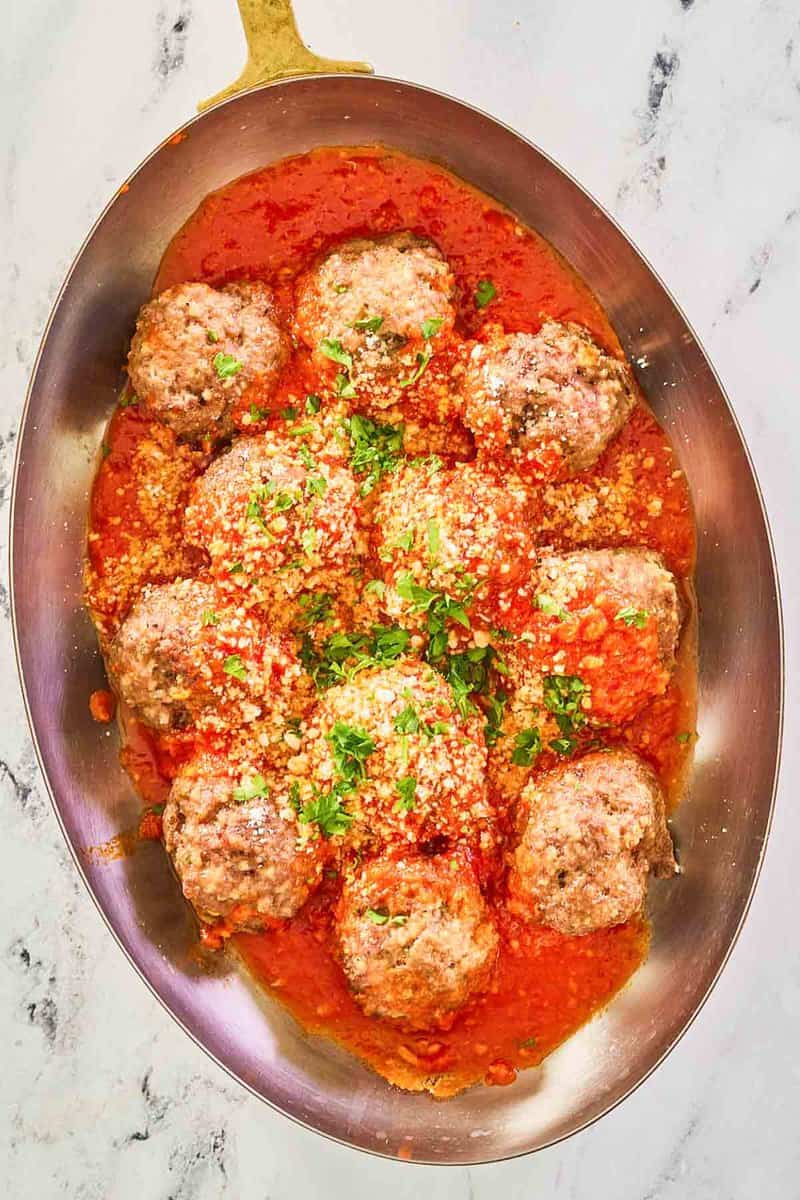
270 225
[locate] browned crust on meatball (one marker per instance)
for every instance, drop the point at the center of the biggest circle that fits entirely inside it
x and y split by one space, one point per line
415 938
554 392
592 831
182 657
399 282
184 354
236 844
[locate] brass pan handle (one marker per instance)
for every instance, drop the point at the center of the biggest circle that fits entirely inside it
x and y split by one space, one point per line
275 49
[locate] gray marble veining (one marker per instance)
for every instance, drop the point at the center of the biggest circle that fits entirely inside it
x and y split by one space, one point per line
683 118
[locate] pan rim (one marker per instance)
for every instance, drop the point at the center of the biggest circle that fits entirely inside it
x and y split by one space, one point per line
16 503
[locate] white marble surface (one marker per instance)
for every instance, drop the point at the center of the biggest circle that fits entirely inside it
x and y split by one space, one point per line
683 118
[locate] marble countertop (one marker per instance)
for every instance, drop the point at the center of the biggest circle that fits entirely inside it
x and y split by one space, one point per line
683 118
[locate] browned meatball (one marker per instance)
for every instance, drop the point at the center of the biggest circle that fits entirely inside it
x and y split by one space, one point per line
461 531
635 582
376 305
236 843
181 656
550 402
391 747
415 938
196 350
284 518
594 829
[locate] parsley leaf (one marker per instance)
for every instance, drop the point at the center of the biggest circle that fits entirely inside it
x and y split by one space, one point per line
485 293
549 607
313 404
343 655
316 485
211 336
316 607
375 450
495 710
369 324
234 666
332 348
377 586
635 618
527 747
423 358
434 538
351 746
380 916
209 617
327 812
430 327
258 414
251 789
226 365
406 789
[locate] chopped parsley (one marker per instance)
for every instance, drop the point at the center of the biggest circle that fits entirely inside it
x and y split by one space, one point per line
406 789
344 387
315 607
423 358
380 916
209 617
439 608
343 655
236 568
485 293
234 666
128 400
226 365
434 538
562 697
300 431
316 485
251 789
634 618
550 608
527 747
308 542
332 348
377 586
327 812
339 288
684 737
495 710
289 413
258 414
368 324
468 673
375 449
351 747
284 501
313 404
106 449
430 327
211 336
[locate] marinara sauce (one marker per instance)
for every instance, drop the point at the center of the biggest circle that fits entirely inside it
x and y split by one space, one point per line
270 225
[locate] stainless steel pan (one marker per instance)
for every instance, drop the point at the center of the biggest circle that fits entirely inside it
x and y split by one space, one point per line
720 829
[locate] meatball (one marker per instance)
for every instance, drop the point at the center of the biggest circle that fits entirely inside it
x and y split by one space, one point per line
237 846
392 751
197 349
461 532
377 309
593 830
549 402
274 518
182 656
415 938
599 646
635 583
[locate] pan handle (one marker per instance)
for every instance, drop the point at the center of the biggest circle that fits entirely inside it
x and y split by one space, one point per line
275 49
